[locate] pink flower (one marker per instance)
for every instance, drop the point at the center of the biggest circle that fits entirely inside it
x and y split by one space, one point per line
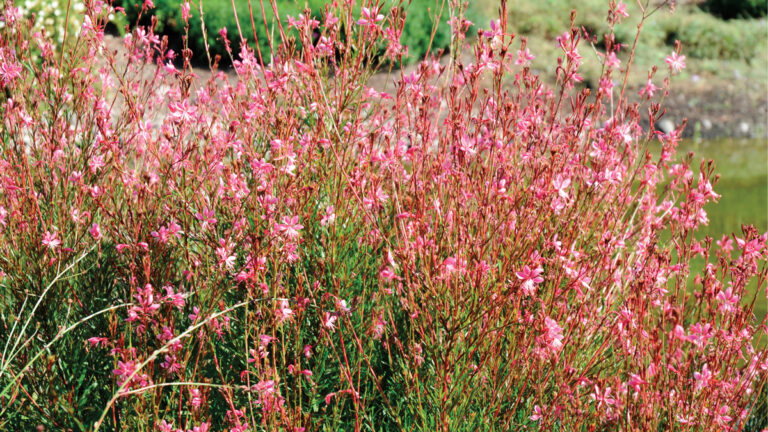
181 112
700 334
524 57
561 184
95 231
703 378
207 218
530 279
175 299
127 368
722 418
94 341
611 60
570 47
195 400
146 307
729 301
51 241
725 244
283 312
225 255
675 62
265 340
165 426
303 21
329 217
170 364
351 392
554 334
679 333
649 89
166 233
290 227
257 354
378 328
185 7
635 381
453 265
495 34
620 11
269 398
96 163
124 368
459 26
751 248
195 313
495 29
204 427
602 398
685 419
538 414
341 305
9 71
369 18
394 48
388 274
329 321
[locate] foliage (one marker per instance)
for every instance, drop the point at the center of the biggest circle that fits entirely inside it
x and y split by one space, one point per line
51 16
424 17
293 250
730 9
713 46
707 37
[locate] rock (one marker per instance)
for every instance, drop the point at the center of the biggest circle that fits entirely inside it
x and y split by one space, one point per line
744 128
706 124
666 126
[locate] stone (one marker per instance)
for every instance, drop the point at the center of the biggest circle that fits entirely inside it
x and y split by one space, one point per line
744 128
665 125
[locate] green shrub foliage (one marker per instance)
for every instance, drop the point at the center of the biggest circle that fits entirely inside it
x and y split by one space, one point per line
425 29
729 9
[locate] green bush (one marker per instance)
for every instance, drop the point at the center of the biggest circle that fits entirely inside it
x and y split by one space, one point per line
218 13
51 16
730 9
704 36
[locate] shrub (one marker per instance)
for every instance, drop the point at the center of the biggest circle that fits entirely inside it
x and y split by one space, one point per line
704 36
423 17
51 16
730 9
293 250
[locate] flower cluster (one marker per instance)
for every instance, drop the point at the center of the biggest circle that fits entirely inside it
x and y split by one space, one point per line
286 248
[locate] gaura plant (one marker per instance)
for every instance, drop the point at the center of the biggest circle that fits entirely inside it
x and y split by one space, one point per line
286 248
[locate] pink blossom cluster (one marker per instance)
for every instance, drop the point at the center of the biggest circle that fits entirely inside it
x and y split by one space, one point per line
285 248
